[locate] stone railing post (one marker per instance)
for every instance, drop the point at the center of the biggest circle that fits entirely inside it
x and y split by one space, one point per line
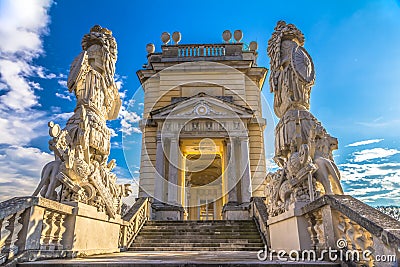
10 228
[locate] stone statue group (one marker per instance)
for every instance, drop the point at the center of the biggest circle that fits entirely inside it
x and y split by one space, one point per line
81 170
303 148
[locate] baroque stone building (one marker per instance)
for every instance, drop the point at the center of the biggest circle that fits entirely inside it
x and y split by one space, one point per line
202 150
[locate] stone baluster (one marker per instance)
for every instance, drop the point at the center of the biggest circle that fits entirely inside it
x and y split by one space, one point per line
59 231
4 234
316 231
10 228
46 230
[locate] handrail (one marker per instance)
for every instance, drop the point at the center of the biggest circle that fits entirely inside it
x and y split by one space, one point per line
21 234
342 218
135 218
260 215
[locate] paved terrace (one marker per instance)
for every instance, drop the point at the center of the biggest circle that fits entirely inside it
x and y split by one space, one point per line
143 259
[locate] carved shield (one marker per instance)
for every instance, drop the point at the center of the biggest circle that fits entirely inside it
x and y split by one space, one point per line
303 64
75 70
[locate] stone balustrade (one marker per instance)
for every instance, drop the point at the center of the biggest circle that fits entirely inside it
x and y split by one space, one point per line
345 223
201 52
216 50
31 224
11 226
134 219
259 213
35 228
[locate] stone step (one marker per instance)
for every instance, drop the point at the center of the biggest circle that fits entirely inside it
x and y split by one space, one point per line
206 240
223 222
175 259
153 248
196 237
196 231
202 227
260 245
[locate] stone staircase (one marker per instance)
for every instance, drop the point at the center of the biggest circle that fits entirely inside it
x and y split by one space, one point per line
187 244
198 236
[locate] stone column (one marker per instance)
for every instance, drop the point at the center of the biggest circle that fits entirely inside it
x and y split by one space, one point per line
160 172
173 172
231 172
246 189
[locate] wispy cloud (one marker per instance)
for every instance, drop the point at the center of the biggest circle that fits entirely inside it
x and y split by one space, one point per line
128 115
365 142
62 116
374 183
22 23
64 96
22 26
374 153
20 169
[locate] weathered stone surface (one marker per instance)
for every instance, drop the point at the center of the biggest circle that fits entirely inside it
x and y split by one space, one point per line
181 259
303 148
81 167
376 222
196 95
16 204
198 236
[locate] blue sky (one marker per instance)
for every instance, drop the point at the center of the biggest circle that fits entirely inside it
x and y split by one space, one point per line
355 46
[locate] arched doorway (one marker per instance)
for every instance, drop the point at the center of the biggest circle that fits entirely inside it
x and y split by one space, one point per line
204 186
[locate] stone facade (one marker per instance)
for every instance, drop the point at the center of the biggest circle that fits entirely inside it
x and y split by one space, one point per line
202 108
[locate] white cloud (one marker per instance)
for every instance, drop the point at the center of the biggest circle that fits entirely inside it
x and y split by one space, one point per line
113 133
63 116
365 142
122 94
128 121
373 183
63 96
374 153
20 169
355 172
63 83
119 84
22 25
21 93
20 128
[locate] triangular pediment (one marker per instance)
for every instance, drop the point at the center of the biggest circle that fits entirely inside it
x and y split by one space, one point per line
202 105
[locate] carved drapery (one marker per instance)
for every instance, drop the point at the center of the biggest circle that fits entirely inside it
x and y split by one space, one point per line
303 148
81 166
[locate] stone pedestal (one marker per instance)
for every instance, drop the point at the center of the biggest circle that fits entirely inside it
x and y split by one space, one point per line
288 231
39 228
93 232
165 212
234 211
